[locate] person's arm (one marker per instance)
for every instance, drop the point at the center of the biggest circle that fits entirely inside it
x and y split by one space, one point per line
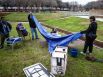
87 30
28 17
9 25
0 28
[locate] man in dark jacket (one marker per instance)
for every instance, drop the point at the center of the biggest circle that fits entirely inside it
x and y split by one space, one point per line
32 26
5 28
90 36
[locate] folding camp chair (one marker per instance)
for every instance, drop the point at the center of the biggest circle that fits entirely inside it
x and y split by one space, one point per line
12 41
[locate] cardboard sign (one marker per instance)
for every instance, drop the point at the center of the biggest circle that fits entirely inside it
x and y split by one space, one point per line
37 70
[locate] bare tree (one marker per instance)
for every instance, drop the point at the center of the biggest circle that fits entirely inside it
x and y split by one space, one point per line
5 4
94 4
50 5
59 4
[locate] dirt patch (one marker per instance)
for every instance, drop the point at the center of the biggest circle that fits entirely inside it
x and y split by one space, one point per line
76 43
100 32
2 14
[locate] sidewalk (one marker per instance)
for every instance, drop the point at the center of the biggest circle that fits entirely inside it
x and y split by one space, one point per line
87 17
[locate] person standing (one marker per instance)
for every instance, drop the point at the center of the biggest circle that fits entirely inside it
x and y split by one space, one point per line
5 28
90 36
32 26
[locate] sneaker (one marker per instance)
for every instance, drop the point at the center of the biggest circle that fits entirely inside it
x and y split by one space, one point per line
37 38
83 53
1 47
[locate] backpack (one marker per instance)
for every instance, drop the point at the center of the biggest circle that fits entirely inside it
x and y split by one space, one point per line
24 32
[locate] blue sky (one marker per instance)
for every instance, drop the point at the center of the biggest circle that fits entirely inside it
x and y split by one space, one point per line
83 2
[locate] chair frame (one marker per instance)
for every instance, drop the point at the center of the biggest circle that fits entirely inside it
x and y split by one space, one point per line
12 43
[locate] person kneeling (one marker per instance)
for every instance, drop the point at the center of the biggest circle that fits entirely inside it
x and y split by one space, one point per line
54 32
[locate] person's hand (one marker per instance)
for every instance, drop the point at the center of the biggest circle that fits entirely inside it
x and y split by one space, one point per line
81 32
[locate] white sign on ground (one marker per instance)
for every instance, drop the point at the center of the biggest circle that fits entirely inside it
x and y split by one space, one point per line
37 70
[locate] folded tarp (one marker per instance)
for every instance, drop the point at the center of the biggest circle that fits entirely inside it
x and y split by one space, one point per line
54 41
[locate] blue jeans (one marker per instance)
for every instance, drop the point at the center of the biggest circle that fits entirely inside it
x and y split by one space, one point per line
33 30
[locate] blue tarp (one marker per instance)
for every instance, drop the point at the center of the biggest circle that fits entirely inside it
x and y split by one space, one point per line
54 41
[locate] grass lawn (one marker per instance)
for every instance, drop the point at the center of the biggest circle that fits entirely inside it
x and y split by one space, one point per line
73 24
22 16
31 52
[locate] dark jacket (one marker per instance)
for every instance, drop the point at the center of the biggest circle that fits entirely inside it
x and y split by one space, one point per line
5 27
92 29
31 22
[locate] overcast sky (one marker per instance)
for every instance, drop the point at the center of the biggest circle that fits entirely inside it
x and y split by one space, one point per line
83 2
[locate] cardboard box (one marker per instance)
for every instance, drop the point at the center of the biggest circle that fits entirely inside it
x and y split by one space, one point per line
59 60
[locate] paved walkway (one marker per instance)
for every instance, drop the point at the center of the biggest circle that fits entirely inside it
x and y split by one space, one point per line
87 17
